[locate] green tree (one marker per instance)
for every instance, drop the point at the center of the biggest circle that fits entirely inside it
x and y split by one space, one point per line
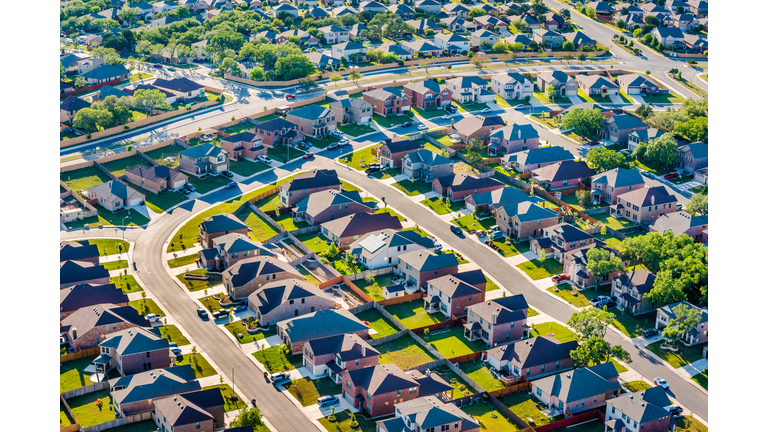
480 61
500 47
698 203
686 319
249 417
644 111
475 150
551 92
355 76
293 66
583 121
80 82
256 74
92 119
336 77
695 129
330 252
149 100
601 263
583 197
661 151
568 46
596 350
590 322
476 12
603 159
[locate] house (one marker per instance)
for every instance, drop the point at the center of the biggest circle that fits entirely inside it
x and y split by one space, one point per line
105 91
328 205
199 410
66 87
478 126
646 410
490 201
352 110
88 64
138 392
347 49
673 5
204 159
644 205
304 37
357 29
579 40
597 85
511 85
182 88
518 38
559 239
170 98
607 186
286 7
403 10
683 223
533 358
618 127
372 7
698 335
163 6
269 34
524 220
420 47
456 10
334 355
320 13
244 144
106 73
199 53
70 106
157 178
334 34
512 139
458 24
451 42
218 225
497 321
229 249
553 21
693 156
637 84
284 299
307 183
132 351
295 332
695 43
397 50
575 263
528 21
650 8
86 327
376 389
429 6
78 251
423 25
428 94
632 19
248 275
668 35
489 22
91 40
426 165
322 61
345 230
458 186
534 158
451 296
605 111
277 132
381 249
418 267
642 136
601 8
391 152
579 389
630 289
562 175
699 8
480 37
114 195
427 414
313 120
564 84
70 61
86 294
701 175
685 22
388 100
548 38
343 10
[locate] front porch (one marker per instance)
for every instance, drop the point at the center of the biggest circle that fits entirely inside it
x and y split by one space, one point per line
474 331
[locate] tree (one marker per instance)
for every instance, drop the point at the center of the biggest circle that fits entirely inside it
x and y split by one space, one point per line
425 65
148 100
476 12
91 119
620 23
661 151
583 197
695 129
583 121
568 46
596 350
336 77
590 12
644 111
480 62
293 66
80 82
256 74
582 57
307 83
475 150
698 204
355 76
601 263
551 92
230 66
542 256
603 159
501 47
330 252
568 57
249 417
590 322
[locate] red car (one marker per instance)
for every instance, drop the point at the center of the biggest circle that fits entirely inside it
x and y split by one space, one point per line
290 96
157 66
671 175
308 155
560 277
593 143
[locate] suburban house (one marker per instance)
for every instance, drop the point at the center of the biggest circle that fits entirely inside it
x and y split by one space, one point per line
423 25
644 205
532 358
701 175
347 229
489 22
575 264
685 22
322 61
199 410
695 43
403 10
245 144
618 128
170 98
70 106
636 84
132 351
334 355
84 295
668 35
427 414
630 289
478 126
480 37
328 205
579 389
646 410
381 249
287 7
229 249
458 24
456 10
497 321
699 8
352 110
564 84
693 156
284 299
418 266
248 275
347 49
528 21
106 73
469 89
376 389
391 152
341 11
561 238
157 178
642 136
553 21
138 392
533 158
428 94
306 184
204 159
218 225
87 64
650 8
683 223
182 88
562 175
601 7
297 331
451 42
518 38
87 327
580 40
388 100
698 335
304 37
276 132
548 38
451 296
490 201
458 186
313 120
608 185
78 251
513 138
597 85
396 50
426 165
429 6
114 195
372 7
269 34
511 85
524 220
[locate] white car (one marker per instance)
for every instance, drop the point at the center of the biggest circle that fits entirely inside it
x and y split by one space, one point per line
519 106
486 110
344 141
421 127
661 382
337 133
152 317
264 159
446 117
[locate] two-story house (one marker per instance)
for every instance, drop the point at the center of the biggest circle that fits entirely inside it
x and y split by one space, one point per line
347 229
548 38
391 152
497 321
403 10
564 84
426 165
87 327
313 120
422 25
469 89
381 249
553 21
608 185
352 110
683 223
693 156
524 220
478 126
157 178
138 393
562 175
511 85
284 299
458 186
452 43
646 411
482 36
419 266
456 10
526 160
229 249
204 159
618 128
644 205
450 296
642 136
580 40
630 289
428 94
347 49
575 263
249 274
428 414
697 335
244 144
277 132
323 61
512 139
579 389
532 358
296 332
201 410
699 8
327 205
490 201
559 239
70 106
132 351
388 100
218 225
669 36
396 50
307 183
334 34
334 355
458 24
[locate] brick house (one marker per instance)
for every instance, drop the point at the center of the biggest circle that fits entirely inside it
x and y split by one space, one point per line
683 223
87 327
618 128
469 89
490 201
564 84
201 410
458 186
699 8
182 88
524 220
245 144
511 85
381 249
533 358
82 296
248 275
645 205
391 152
698 335
642 136
306 184
418 267
138 392
478 126
450 296
597 85
156 178
497 321
646 410
277 132
426 165
428 94
637 84
388 100
229 249
562 175
313 120
75 272
578 390
513 138
553 21
204 159
548 38
114 195
352 110
132 351
527 160
335 355
328 205
428 413
218 225
70 106
630 289
608 185
296 332
559 239
285 299
693 156
78 251
347 229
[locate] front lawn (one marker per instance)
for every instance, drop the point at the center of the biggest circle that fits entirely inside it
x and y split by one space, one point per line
118 167
412 315
239 328
693 88
702 378
537 270
247 168
242 127
374 290
146 307
453 343
480 374
349 187
109 246
430 113
509 250
284 153
323 142
404 352
437 205
378 322
559 100
261 229
209 184
173 334
343 419
354 129
685 355
553 329
83 178
105 217
470 106
391 213
197 285
689 424
564 291
636 386
199 364
87 413
633 326
276 361
115 265
226 392
390 120
160 202
549 122
671 98
139 76
525 406
127 283
307 391
183 261
413 188
469 222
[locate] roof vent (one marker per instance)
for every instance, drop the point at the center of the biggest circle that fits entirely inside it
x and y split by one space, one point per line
631 396
174 398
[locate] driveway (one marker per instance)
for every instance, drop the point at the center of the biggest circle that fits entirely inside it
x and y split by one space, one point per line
575 100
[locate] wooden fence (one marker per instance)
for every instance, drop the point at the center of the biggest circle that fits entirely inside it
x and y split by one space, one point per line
79 354
404 299
521 424
514 388
573 419
356 290
439 326
127 419
265 194
374 272
85 390
388 338
73 427
362 308
467 357
389 316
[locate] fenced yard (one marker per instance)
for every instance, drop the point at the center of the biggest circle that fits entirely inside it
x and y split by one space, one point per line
413 315
452 343
404 352
377 322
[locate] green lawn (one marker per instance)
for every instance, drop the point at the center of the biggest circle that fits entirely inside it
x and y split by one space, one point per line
525 406
226 392
270 202
284 153
481 375
115 265
261 229
685 355
315 242
197 285
558 331
209 184
118 167
564 292
247 168
183 261
210 303
200 365
355 130
469 222
390 120
378 322
470 106
437 205
633 326
461 387
391 212
619 367
404 352
549 122
636 386
146 307
170 151
536 270
306 391
323 142
242 127
428 114
127 283
275 361
689 424
343 419
413 188
374 290
490 285
691 86
64 418
571 200
160 202
412 314
510 249
702 378
140 76
309 277
603 99
87 413
71 374
349 187
106 217
490 419
144 426
673 98
173 334
501 102
238 327
433 148
109 246
83 178
453 343
543 98
286 221
612 222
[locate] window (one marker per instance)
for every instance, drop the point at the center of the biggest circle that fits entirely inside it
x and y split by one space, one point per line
197 425
538 391
147 354
557 364
349 384
290 301
398 393
528 371
368 395
357 362
595 400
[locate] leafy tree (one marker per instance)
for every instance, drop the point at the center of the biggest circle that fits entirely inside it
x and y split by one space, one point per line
475 150
596 350
698 203
93 119
149 100
583 197
256 74
293 66
501 47
644 111
637 33
229 65
336 77
603 159
601 263
568 46
62 72
583 122
355 76
307 83
518 46
480 62
686 319
695 129
80 82
476 12
249 417
330 252
620 23
590 12
582 57
590 322
551 92
661 151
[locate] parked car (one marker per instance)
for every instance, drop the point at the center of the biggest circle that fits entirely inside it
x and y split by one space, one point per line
264 159
599 301
308 155
335 145
337 133
230 185
185 191
408 124
451 108
685 173
290 96
373 169
676 411
661 382
519 106
190 187
486 110
152 317
343 141
647 173
456 230
157 66
240 308
560 277
671 175
221 313
679 206
610 304
202 313
176 351
279 376
421 127
650 332
171 69
446 117
227 173
593 143
324 401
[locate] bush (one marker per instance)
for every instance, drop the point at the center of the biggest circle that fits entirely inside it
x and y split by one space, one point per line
647 72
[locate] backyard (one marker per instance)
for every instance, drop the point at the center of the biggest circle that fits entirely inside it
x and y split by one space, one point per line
196 284
87 413
413 315
199 364
413 188
83 178
306 391
374 290
166 152
261 229
404 352
118 167
480 374
453 343
537 270
526 407
685 354
238 328
286 221
377 322
553 329
314 242
490 419
275 360
71 375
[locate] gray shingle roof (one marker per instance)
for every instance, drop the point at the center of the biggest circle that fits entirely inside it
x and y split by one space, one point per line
565 170
401 146
236 242
469 125
178 84
667 310
678 222
248 269
72 103
273 294
426 157
503 196
454 287
528 211
580 383
464 182
429 412
618 177
699 150
106 71
646 135
134 341
203 150
222 222
568 232
86 318
595 81
312 179
360 224
531 353
178 411
154 384
643 406
626 121
310 112
347 346
392 238
424 261
507 309
540 155
321 324
515 132
318 202
648 196
640 279
156 173
80 296
76 250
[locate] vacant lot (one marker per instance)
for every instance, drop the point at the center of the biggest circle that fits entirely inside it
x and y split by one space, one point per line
404 352
118 167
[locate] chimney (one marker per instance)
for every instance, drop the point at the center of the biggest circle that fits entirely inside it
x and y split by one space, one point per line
74 333
653 199
631 396
452 121
428 372
519 134
363 350
493 320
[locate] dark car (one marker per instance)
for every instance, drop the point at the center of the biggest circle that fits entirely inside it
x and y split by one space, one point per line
676 411
451 108
157 66
456 230
407 124
227 174
290 96
221 313
373 169
202 313
650 332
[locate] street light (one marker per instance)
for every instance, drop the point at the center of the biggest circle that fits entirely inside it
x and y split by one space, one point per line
123 223
233 384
